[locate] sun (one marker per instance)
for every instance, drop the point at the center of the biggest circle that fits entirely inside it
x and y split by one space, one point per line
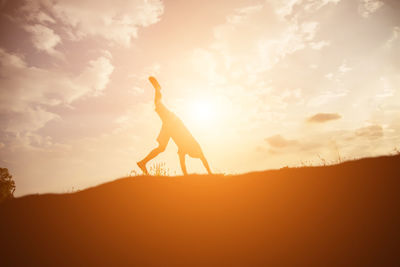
202 112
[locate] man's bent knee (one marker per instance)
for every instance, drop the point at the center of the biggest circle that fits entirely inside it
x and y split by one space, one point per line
161 148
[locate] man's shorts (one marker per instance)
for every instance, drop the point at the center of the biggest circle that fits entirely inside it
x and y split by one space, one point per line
183 139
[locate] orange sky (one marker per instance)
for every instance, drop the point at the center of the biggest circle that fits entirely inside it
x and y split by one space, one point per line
260 84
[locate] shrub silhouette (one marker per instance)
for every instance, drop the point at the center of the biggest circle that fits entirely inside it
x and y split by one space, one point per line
7 185
157 169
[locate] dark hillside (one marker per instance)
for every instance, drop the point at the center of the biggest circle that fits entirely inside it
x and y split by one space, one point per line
347 214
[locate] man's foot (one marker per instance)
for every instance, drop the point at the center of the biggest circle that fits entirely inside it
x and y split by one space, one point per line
142 166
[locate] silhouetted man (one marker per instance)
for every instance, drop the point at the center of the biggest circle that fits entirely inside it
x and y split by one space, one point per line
172 127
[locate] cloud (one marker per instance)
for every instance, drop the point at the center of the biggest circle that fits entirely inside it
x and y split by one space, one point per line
280 145
287 8
256 35
114 20
28 92
31 119
333 146
344 67
395 37
367 7
323 117
44 38
94 78
319 45
44 18
277 141
370 132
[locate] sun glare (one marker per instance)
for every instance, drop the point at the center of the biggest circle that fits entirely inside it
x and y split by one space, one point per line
202 112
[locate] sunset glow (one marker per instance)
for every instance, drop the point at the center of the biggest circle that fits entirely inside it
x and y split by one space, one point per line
203 112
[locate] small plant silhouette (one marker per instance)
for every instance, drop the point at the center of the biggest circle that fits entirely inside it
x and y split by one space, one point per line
133 173
157 169
323 160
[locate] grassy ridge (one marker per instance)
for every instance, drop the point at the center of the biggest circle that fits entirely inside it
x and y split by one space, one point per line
345 214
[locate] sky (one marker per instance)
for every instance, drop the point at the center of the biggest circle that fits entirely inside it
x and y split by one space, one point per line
260 84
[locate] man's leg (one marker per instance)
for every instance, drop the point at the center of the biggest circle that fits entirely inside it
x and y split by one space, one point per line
150 156
182 160
162 139
205 163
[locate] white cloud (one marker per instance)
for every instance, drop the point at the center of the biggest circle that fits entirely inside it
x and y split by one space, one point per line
257 36
44 18
28 91
387 89
286 7
44 38
344 67
367 7
326 97
319 45
309 29
205 65
95 77
114 20
393 38
31 119
315 5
